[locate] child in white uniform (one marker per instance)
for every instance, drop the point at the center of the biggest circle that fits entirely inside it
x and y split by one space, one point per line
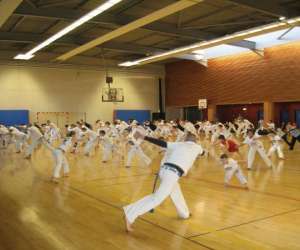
231 168
275 146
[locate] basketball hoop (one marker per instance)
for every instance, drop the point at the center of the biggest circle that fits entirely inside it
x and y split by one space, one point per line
202 103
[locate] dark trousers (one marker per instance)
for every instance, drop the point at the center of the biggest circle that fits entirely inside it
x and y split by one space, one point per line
292 142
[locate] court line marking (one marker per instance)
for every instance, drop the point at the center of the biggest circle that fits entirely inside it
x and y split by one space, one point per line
247 223
114 177
115 184
142 219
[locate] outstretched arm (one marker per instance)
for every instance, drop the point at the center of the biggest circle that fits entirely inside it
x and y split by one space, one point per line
155 141
160 143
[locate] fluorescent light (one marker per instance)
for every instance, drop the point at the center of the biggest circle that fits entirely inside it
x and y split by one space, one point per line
23 57
128 64
282 18
74 25
205 44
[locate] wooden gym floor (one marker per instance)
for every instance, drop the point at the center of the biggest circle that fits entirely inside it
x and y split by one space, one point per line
84 211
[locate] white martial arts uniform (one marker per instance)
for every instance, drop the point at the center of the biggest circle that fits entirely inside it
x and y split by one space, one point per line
181 154
60 158
19 137
255 145
107 144
135 149
54 133
92 139
35 136
232 168
275 146
4 136
78 137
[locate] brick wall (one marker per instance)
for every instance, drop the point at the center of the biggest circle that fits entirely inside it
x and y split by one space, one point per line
244 78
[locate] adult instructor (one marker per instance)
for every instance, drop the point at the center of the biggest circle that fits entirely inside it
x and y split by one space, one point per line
179 158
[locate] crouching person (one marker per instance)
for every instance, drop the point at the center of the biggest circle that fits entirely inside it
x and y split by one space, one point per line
231 168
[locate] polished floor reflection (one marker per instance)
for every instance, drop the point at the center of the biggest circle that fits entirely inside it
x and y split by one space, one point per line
84 211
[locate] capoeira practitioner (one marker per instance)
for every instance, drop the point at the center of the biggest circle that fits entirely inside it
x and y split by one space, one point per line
54 133
19 137
177 133
136 149
4 133
180 157
92 139
295 133
60 158
231 168
275 145
78 137
107 145
230 145
255 146
35 135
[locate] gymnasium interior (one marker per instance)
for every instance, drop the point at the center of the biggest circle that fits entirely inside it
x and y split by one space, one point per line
166 61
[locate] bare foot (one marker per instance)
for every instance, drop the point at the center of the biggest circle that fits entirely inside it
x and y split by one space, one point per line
128 226
66 175
54 180
28 157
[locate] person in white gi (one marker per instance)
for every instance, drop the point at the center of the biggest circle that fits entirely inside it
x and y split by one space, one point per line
4 134
35 136
275 145
60 158
92 139
107 144
78 137
19 137
180 157
255 146
231 168
135 149
54 133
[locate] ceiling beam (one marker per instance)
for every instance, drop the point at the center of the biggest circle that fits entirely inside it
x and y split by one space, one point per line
7 7
271 8
113 21
152 17
75 41
244 44
137 49
57 3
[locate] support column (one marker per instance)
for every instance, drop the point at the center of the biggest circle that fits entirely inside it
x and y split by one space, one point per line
268 111
211 112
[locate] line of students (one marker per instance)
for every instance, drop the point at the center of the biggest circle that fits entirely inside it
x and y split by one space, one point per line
181 141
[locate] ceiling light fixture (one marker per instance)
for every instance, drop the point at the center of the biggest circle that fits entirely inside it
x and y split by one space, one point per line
214 42
103 7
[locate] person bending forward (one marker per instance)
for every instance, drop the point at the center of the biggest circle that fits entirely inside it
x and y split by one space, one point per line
180 158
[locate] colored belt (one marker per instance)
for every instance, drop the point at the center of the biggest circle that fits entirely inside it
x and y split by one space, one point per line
174 168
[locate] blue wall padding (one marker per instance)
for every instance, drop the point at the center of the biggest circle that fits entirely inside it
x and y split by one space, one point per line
139 115
14 117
